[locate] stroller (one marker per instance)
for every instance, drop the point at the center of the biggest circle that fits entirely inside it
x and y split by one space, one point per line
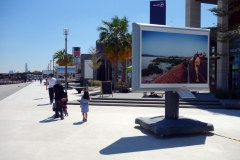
65 106
65 110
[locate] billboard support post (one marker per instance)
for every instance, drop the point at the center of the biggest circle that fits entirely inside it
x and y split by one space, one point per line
171 105
172 123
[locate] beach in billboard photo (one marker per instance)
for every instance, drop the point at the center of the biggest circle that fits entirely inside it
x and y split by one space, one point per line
174 58
70 73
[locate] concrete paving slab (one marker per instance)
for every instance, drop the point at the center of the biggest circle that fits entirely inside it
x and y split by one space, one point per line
29 132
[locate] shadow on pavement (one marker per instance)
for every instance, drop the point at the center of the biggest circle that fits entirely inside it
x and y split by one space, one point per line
230 112
43 104
152 96
49 119
78 123
75 93
153 142
38 98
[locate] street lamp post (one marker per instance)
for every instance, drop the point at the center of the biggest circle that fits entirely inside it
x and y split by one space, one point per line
53 66
65 32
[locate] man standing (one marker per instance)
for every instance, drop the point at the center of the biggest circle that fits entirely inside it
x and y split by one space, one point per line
59 94
49 86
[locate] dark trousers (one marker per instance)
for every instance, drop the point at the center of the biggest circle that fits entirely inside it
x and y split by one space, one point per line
51 94
59 108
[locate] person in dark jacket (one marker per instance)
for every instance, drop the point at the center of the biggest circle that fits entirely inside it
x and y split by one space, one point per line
59 94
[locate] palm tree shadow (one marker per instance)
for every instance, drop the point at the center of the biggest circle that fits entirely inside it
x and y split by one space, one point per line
49 119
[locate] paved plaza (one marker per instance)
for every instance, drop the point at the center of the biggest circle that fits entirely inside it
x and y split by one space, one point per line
29 132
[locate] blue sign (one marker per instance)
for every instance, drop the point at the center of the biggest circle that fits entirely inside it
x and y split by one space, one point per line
158 12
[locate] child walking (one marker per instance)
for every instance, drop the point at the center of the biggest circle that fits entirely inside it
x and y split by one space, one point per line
84 105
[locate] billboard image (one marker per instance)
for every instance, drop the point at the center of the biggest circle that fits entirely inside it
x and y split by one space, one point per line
71 71
170 58
174 57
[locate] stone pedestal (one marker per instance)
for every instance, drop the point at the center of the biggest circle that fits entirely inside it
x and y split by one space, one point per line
172 123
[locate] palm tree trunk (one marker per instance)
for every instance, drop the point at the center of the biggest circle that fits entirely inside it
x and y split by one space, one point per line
124 66
109 70
116 67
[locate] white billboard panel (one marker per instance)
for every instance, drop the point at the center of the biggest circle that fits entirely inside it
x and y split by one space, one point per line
45 73
88 71
167 58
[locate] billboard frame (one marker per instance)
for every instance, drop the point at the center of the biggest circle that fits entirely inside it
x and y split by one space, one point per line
137 85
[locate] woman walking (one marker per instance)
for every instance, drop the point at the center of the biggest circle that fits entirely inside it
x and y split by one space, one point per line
84 105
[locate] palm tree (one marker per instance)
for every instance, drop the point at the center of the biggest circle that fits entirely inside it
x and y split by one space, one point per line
113 35
60 56
109 55
125 54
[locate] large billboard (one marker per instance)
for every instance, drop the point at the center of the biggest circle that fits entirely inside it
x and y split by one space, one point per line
168 58
45 73
71 73
158 12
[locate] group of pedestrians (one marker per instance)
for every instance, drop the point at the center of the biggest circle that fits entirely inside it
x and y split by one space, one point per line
56 92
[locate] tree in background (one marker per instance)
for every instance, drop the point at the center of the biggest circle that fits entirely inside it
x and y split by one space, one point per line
37 72
112 35
109 55
125 54
60 56
95 61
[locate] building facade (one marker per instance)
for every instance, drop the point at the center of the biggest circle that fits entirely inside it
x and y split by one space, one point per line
224 69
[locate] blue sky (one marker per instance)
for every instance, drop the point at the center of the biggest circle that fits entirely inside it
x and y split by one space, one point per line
173 44
32 30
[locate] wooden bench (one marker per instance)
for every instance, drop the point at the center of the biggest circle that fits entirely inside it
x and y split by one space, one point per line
121 86
79 89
